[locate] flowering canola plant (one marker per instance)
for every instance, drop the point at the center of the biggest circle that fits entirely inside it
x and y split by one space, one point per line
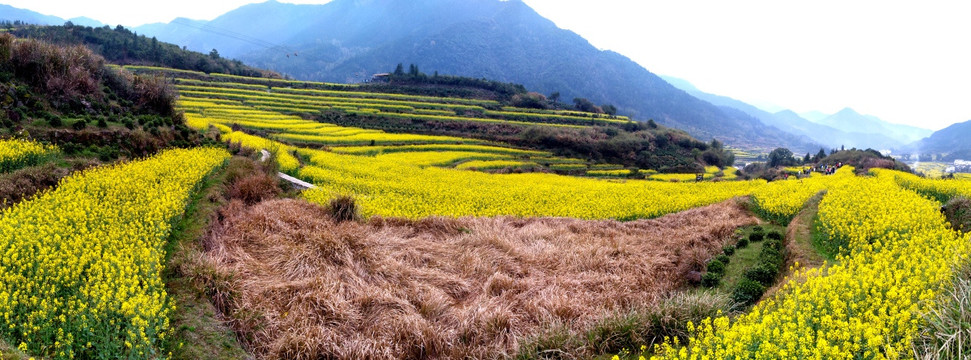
390 187
780 201
895 253
16 154
80 265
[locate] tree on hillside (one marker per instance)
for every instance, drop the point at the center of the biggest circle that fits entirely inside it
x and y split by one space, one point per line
609 109
399 70
531 100
819 156
807 159
782 157
555 97
585 105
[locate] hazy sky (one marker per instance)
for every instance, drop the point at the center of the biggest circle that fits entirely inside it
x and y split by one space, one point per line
906 62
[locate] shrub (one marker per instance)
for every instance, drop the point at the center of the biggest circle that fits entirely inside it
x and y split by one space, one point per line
254 188
958 213
758 229
710 280
756 237
729 250
716 267
80 124
747 292
102 123
55 121
774 235
742 243
344 208
763 274
724 259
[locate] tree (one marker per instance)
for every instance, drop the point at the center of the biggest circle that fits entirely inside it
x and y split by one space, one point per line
609 109
413 70
781 157
400 70
819 156
214 54
555 97
807 159
651 124
583 104
715 144
531 100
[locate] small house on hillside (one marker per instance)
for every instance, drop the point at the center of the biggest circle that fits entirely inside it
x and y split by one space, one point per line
382 77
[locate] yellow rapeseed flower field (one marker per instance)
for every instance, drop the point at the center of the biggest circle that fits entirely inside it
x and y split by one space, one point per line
780 201
391 187
16 154
80 265
895 253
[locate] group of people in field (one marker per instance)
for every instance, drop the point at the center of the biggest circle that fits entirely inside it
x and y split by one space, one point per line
829 169
825 169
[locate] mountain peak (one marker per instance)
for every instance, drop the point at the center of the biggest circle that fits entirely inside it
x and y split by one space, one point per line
847 111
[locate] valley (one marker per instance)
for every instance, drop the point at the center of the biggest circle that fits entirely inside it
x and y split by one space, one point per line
314 201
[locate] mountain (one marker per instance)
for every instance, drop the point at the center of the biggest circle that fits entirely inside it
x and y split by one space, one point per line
851 121
793 123
814 115
349 40
86 21
950 140
10 13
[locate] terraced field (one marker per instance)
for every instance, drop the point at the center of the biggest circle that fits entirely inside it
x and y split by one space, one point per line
853 308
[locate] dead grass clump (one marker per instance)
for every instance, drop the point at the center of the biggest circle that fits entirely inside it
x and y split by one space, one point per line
344 208
64 72
301 285
254 188
24 183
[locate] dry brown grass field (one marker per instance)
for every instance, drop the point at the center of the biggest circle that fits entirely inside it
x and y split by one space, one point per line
296 284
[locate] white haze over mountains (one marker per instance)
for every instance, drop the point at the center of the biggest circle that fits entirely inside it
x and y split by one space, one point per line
905 62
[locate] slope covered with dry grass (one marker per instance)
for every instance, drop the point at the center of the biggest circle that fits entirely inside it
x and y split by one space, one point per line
296 284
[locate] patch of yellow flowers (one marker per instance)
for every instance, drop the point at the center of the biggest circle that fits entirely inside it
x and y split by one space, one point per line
895 253
390 187
80 265
780 201
16 154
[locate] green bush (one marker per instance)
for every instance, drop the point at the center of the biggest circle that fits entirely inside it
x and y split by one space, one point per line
716 267
710 280
763 274
742 243
729 250
747 292
80 124
724 258
758 229
756 237
774 235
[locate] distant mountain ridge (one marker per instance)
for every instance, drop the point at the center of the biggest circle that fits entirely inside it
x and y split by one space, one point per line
11 14
349 40
845 128
954 139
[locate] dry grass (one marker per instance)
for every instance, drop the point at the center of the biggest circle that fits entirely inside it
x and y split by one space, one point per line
298 285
